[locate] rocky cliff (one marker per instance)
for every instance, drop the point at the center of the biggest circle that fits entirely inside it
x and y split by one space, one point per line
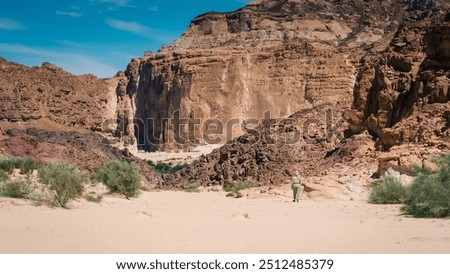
49 115
48 92
278 56
403 93
273 81
400 96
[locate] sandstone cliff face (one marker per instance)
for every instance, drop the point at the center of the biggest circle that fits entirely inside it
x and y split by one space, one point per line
50 115
48 92
400 96
277 56
384 63
403 94
50 96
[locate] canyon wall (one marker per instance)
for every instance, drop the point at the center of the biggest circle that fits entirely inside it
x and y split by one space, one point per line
270 56
403 94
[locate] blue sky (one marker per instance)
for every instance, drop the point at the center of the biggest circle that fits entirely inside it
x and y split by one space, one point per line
95 36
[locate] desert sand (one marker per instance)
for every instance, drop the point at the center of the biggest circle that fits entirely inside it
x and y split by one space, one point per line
209 222
178 157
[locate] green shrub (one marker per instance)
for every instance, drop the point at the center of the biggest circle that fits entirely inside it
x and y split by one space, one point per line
119 177
19 189
192 187
178 167
3 176
94 198
9 164
387 191
25 165
166 168
163 167
12 190
429 194
65 182
231 194
237 186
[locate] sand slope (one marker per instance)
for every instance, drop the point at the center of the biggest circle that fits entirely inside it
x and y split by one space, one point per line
208 222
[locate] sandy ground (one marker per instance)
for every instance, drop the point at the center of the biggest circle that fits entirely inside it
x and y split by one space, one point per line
209 222
176 157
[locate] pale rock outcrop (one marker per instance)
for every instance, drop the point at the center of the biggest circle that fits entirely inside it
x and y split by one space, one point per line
277 56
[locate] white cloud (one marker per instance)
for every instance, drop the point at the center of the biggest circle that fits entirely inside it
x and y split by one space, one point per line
69 43
119 3
81 64
130 26
69 13
9 24
139 29
76 63
21 49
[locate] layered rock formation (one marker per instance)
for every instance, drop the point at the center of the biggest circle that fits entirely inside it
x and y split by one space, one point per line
403 93
277 56
49 115
400 96
278 74
48 92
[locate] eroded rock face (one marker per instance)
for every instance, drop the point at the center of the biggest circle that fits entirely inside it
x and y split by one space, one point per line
386 60
405 158
273 151
48 96
48 115
403 94
400 96
48 92
277 56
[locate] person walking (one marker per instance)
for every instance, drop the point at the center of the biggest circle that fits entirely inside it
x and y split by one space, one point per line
296 186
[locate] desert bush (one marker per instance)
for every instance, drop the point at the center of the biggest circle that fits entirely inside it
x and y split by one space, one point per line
387 191
94 198
3 176
19 189
166 168
9 164
119 177
237 186
231 194
12 189
429 194
192 187
25 165
65 182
